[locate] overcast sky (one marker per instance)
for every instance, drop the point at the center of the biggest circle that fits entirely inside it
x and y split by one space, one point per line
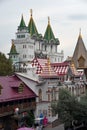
66 19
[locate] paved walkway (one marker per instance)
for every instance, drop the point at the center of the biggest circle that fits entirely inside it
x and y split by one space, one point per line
60 127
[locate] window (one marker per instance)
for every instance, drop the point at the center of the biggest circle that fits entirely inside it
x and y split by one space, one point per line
40 95
45 47
24 56
24 46
21 88
20 36
51 48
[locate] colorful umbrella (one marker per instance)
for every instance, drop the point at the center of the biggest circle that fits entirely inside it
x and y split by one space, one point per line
25 128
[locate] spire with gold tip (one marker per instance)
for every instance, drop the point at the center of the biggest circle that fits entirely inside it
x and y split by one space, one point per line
49 35
31 26
80 33
80 36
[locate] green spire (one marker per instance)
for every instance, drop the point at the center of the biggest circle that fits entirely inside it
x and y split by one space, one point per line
22 24
13 49
31 26
49 35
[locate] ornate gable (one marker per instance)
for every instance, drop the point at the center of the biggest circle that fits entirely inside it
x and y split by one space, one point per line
80 54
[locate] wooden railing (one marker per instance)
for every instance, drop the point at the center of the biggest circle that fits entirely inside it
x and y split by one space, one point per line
8 110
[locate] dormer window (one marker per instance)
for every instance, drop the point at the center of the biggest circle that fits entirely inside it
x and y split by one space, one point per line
0 89
21 88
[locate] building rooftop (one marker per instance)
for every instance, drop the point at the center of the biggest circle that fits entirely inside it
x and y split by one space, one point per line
9 88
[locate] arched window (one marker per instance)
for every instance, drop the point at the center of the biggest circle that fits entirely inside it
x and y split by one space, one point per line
81 61
40 95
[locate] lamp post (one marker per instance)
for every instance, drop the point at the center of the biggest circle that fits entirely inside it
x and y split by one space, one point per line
17 111
17 115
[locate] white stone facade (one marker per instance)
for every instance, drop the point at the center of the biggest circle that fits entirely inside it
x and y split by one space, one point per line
26 47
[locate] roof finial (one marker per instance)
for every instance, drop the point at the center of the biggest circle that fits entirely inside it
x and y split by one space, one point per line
12 42
31 12
48 20
80 32
22 15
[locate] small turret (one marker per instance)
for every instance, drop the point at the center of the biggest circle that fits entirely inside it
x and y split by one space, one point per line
13 55
22 25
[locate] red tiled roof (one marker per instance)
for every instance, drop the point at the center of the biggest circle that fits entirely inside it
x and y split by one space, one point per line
39 63
43 68
60 68
9 89
46 69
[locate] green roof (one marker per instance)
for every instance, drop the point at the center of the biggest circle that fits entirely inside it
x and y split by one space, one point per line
13 49
49 35
32 27
22 24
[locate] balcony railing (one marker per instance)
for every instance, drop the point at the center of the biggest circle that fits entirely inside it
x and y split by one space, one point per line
9 110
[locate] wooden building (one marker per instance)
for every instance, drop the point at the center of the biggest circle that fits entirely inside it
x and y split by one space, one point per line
16 98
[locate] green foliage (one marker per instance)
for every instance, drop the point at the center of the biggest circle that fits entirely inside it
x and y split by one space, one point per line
69 108
65 106
30 119
5 65
54 107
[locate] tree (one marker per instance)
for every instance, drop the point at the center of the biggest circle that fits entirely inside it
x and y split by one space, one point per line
65 106
5 65
30 120
69 109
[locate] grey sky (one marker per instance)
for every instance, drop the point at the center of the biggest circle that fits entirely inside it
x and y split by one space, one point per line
66 18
